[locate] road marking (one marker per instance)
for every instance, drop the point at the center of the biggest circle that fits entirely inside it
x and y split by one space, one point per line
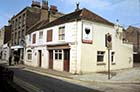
27 86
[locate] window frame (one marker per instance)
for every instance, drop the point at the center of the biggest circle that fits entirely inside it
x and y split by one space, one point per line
112 57
41 35
61 33
34 38
58 54
100 54
49 35
29 54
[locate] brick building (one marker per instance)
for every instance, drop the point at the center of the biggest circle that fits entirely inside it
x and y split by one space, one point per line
27 18
132 36
5 36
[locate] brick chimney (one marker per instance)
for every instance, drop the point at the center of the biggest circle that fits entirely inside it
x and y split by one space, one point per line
53 9
35 4
44 10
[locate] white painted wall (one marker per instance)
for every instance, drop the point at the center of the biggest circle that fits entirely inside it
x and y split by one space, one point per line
83 57
123 52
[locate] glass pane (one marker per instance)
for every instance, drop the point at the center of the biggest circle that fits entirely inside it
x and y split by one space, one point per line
99 58
56 56
60 56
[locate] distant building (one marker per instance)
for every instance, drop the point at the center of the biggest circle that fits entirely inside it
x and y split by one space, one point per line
76 43
132 36
5 37
25 19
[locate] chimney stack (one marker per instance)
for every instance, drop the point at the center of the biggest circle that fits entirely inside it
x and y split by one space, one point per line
44 10
35 4
53 9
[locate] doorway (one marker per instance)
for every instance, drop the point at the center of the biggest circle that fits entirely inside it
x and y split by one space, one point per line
39 58
50 59
66 60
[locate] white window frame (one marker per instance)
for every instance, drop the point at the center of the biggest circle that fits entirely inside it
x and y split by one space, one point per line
41 35
61 33
58 54
29 53
101 54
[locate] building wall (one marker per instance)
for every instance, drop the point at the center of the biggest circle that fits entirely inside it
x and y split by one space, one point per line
132 35
123 52
2 36
83 56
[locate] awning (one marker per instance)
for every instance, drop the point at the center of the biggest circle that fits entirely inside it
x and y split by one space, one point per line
58 46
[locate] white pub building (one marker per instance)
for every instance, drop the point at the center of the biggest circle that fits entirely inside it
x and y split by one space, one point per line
75 43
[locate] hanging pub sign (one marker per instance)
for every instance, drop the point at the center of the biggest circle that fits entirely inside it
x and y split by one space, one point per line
87 34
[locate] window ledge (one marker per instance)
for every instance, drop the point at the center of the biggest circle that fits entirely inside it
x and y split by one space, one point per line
113 63
101 63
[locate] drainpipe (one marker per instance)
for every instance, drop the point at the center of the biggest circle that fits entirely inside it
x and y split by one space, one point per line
138 41
76 48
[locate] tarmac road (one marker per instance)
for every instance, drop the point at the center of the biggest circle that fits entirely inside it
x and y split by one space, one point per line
40 83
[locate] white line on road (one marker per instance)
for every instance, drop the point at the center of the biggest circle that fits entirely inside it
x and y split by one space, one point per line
27 86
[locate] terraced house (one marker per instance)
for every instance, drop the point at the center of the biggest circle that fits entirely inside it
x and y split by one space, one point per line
26 18
75 43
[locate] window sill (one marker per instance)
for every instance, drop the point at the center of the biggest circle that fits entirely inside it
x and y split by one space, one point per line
102 63
113 63
29 60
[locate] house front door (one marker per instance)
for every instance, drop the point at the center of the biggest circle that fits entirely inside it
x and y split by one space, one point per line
39 58
66 59
50 59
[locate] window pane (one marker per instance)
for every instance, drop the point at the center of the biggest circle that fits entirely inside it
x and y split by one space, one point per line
40 35
100 58
60 56
56 56
62 33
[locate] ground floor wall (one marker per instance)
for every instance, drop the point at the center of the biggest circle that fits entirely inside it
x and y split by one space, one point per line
56 58
120 57
78 59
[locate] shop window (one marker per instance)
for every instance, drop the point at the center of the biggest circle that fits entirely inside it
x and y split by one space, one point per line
58 54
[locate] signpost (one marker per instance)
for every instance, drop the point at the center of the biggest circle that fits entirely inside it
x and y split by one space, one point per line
108 44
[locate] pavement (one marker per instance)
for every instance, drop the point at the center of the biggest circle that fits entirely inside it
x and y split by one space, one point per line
130 75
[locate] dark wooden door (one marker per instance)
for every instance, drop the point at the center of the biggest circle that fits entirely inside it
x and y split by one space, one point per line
40 57
66 59
50 59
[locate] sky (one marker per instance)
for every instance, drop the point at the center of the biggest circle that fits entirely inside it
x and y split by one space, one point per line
126 11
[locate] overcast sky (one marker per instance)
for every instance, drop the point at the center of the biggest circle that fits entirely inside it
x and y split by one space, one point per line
127 11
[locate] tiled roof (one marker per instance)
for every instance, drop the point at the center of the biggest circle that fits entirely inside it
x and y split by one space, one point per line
36 26
78 15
